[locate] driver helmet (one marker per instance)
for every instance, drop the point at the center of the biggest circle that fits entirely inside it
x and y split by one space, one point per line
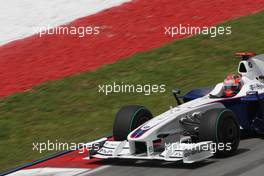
232 85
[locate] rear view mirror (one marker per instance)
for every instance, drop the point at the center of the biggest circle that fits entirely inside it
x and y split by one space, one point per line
175 92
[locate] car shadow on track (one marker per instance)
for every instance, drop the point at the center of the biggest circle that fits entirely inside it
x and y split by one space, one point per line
245 135
239 152
153 163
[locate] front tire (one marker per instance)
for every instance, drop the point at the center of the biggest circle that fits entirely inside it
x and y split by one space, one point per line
221 127
129 118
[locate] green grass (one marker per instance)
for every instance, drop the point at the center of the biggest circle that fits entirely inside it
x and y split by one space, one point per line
72 109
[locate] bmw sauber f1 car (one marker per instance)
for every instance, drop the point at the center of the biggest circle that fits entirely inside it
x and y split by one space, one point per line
207 117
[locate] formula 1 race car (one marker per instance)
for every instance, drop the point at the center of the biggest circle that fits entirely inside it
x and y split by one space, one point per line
208 121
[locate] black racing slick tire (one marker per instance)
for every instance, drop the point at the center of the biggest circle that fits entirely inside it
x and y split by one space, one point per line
129 118
221 127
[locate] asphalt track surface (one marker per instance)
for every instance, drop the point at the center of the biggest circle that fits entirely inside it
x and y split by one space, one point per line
248 161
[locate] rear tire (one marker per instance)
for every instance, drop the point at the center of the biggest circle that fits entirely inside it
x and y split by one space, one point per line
129 118
221 127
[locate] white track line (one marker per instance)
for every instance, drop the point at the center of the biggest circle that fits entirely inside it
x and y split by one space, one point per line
22 18
47 171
